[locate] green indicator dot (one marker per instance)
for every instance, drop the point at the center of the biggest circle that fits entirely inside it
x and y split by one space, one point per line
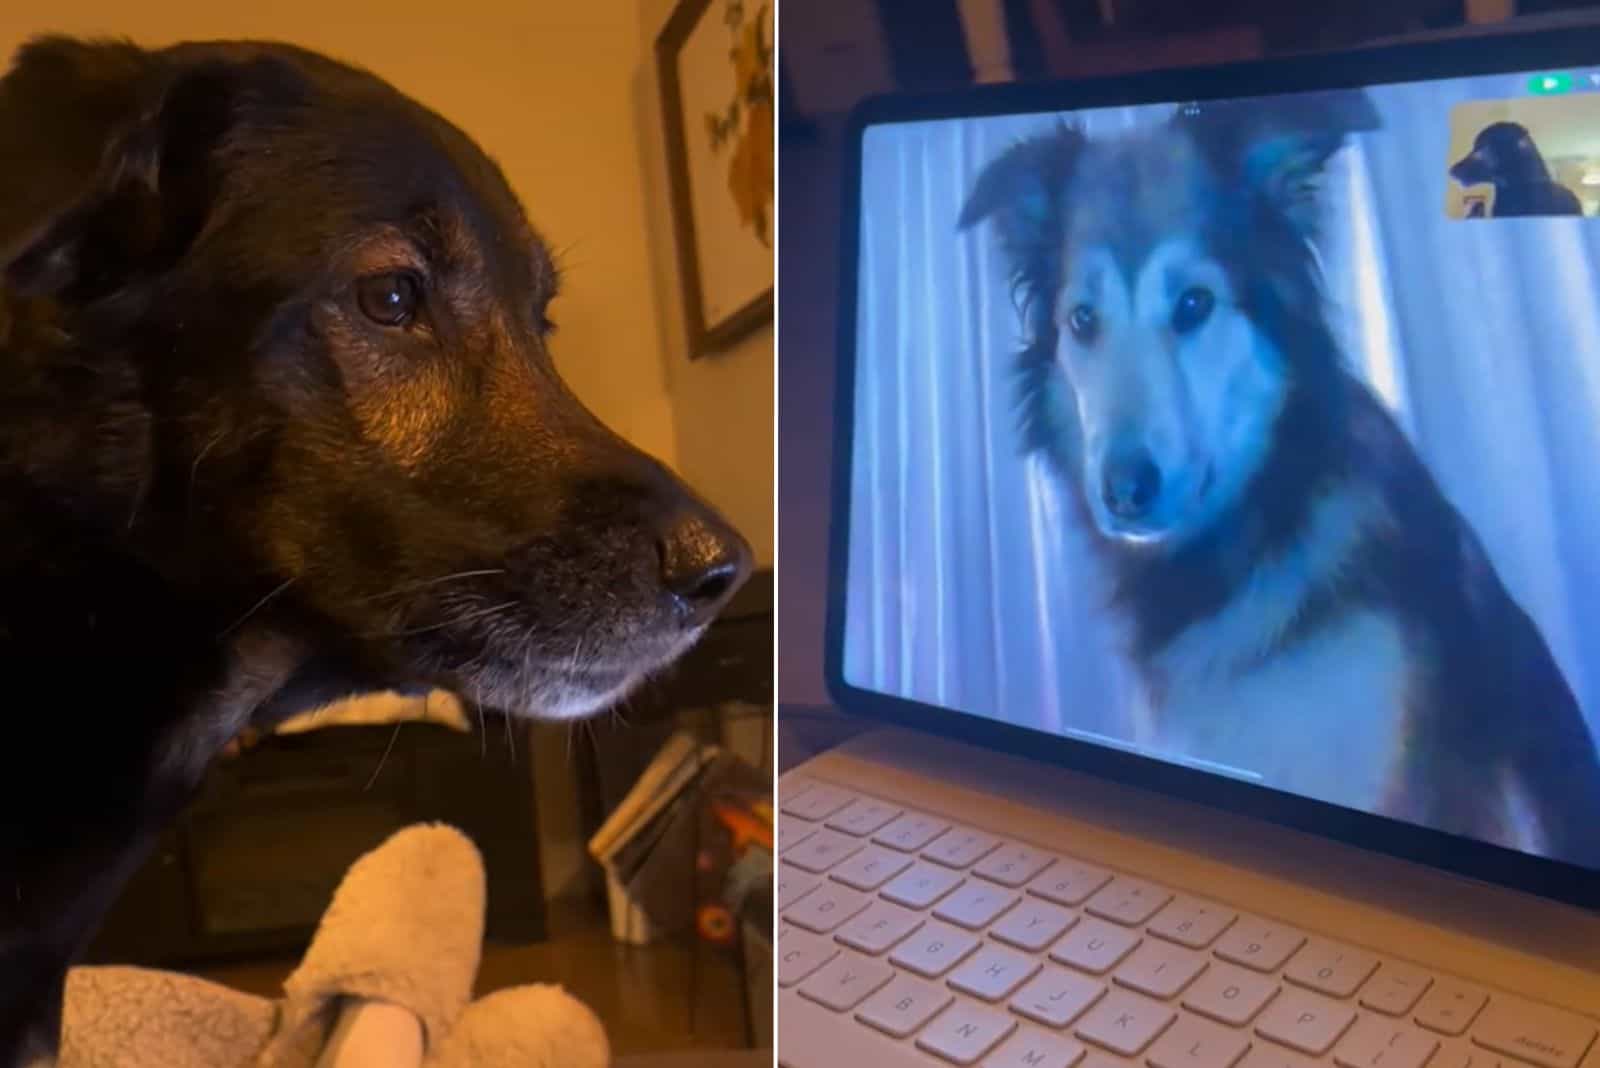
1547 84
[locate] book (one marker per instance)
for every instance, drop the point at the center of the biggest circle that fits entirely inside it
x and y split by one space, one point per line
677 763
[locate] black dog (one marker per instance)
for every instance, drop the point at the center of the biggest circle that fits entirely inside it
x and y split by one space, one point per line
278 424
1504 155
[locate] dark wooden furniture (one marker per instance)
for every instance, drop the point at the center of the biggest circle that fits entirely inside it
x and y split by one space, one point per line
249 869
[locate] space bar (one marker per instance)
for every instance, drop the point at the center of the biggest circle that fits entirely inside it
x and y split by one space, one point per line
809 1036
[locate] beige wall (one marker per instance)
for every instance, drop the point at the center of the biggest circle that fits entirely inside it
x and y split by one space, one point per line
545 88
722 405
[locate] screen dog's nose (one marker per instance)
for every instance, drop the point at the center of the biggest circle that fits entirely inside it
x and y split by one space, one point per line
1132 482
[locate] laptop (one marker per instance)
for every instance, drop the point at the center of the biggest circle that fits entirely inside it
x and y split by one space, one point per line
1216 549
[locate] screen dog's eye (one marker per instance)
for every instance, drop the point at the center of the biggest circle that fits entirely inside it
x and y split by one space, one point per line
1084 324
1193 309
389 299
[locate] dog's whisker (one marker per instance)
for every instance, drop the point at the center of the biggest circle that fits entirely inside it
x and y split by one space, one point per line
194 468
469 617
411 587
384 759
258 606
138 502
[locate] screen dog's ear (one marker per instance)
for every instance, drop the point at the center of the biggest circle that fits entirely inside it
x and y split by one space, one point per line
1278 149
120 173
1024 191
1022 188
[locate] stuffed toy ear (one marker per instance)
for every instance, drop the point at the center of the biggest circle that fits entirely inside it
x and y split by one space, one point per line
116 173
1278 149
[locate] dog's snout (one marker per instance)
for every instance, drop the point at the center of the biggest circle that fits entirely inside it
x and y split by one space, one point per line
703 561
1132 482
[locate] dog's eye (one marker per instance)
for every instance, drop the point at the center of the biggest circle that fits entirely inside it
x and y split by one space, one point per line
1084 324
1193 309
389 299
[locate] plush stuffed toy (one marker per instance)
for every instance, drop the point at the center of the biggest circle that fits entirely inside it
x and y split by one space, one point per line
387 980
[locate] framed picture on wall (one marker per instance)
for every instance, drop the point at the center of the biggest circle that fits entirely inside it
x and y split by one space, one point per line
715 62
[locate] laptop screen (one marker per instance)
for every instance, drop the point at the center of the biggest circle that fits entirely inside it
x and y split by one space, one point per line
1258 436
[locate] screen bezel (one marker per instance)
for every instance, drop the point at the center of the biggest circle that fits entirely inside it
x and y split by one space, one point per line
1392 65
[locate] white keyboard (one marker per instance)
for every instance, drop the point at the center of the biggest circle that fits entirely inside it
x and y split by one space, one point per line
908 939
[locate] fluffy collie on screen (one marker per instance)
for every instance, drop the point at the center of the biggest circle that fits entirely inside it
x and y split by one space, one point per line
1302 599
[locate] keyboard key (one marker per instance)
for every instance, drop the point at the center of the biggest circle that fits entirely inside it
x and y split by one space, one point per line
794 884
792 831
817 803
975 905
1230 995
1094 946
845 981
960 847
1196 1043
822 851
1266 1055
1128 901
1160 969
1190 922
903 1006
1124 1023
863 816
826 907
1258 944
879 929
911 832
934 949
815 1037
800 953
1543 1036
993 972
1395 989
1068 882
1460 1053
1378 1043
1330 968
964 1032
1449 1006
921 885
1013 864
791 787
1033 924
1033 1048
871 868
1305 1021
1055 997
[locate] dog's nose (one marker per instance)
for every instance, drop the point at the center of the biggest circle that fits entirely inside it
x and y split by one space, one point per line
1132 483
703 561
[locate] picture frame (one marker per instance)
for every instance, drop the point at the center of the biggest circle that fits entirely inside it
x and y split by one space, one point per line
716 65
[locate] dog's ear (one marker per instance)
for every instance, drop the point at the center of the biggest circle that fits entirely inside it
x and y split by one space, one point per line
120 149
1021 189
1278 149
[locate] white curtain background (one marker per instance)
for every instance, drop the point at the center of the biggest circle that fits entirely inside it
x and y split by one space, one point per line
969 584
